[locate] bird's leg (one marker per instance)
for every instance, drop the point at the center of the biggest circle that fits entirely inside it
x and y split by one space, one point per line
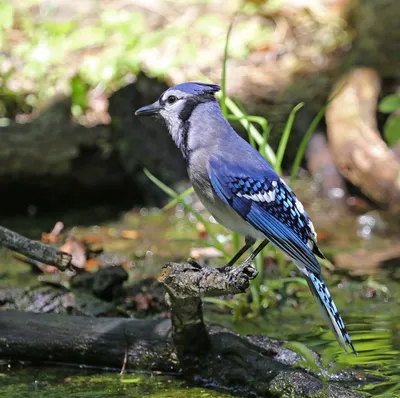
194 263
248 243
255 253
246 266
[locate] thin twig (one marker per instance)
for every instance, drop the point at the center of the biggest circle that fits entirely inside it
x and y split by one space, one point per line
125 361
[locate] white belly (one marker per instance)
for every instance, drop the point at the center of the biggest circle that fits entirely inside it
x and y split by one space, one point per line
226 216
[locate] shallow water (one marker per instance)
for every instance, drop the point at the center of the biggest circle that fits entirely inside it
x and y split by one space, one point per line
59 382
369 306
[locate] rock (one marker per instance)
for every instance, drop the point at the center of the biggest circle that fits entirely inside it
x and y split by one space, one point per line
104 284
144 142
296 384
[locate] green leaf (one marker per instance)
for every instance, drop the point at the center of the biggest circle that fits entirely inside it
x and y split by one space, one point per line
305 352
304 143
285 138
133 381
57 27
391 130
390 103
258 138
88 36
79 92
6 16
223 77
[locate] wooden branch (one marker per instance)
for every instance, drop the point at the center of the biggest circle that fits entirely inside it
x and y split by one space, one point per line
187 280
360 153
186 284
34 250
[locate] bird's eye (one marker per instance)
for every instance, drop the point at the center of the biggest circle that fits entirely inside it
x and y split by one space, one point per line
171 99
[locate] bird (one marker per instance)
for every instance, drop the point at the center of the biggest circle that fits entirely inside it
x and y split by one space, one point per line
241 189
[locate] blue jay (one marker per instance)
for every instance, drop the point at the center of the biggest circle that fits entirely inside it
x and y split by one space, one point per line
240 188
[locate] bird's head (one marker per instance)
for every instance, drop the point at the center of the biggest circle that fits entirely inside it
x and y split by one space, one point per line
175 107
177 103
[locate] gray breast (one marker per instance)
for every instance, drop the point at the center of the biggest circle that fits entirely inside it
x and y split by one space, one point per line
224 214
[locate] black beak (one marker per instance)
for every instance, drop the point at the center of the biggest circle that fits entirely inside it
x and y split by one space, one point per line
148 110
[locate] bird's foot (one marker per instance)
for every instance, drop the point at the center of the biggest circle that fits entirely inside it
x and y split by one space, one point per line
245 268
241 275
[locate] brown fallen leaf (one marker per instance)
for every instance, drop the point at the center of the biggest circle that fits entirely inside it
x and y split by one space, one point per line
93 264
77 249
201 229
129 234
93 238
322 235
54 235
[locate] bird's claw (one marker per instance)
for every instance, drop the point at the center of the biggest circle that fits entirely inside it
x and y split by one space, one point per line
241 275
248 270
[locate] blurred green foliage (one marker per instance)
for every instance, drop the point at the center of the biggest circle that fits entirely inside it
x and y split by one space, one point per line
47 50
391 130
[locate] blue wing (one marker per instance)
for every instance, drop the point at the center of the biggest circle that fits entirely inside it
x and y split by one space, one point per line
270 206
261 198
258 195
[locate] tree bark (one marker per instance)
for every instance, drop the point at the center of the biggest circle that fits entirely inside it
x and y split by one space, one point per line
360 153
83 340
35 250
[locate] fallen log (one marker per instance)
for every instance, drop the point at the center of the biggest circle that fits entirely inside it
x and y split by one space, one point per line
205 353
360 153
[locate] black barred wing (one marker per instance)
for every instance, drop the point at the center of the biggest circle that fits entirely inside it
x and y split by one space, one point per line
270 206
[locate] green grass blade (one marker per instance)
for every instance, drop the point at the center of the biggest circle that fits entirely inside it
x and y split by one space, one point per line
235 110
310 359
285 138
223 77
178 199
246 118
169 191
220 302
304 142
235 242
265 141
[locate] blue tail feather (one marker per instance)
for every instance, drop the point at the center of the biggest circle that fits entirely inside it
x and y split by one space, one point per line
325 301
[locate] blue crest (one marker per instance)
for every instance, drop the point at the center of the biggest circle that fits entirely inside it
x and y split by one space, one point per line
197 88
